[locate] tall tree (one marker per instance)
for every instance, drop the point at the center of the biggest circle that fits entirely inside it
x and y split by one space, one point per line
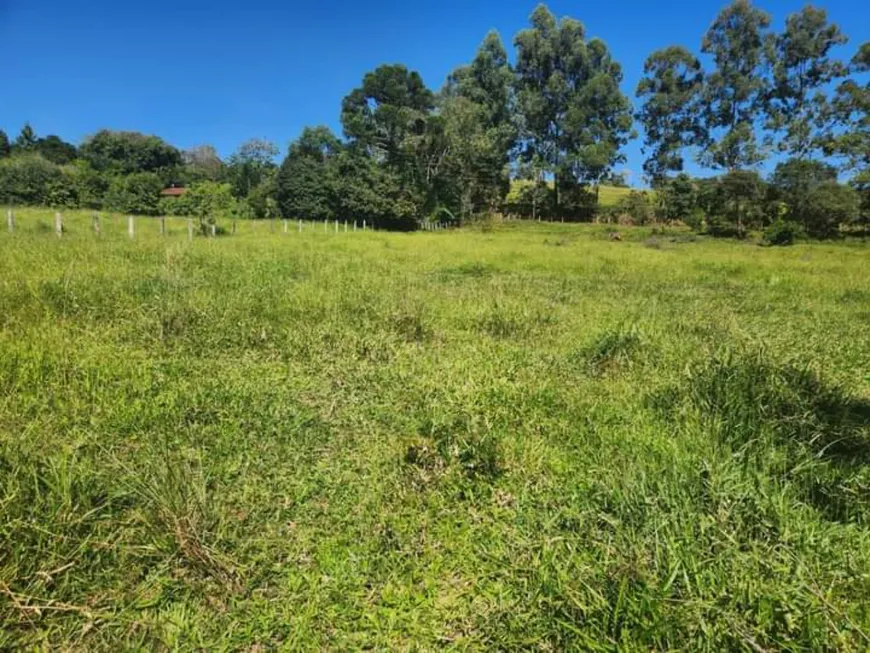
802 69
56 149
735 92
575 118
305 185
5 147
129 152
202 162
477 106
670 91
851 110
391 105
250 165
26 140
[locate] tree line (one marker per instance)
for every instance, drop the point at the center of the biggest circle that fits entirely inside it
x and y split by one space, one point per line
535 136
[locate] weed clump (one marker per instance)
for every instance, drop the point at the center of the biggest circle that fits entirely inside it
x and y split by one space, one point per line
459 442
614 350
791 424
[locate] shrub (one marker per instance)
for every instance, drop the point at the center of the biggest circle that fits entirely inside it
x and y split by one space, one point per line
677 199
637 206
829 206
28 179
782 232
812 197
136 193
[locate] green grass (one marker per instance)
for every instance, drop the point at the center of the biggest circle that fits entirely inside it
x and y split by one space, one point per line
524 436
607 195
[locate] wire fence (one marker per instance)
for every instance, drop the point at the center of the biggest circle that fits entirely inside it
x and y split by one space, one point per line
105 225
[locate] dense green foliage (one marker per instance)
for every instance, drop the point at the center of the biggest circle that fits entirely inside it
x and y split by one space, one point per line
532 436
538 138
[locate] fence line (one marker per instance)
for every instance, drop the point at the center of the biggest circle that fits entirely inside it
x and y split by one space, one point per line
62 226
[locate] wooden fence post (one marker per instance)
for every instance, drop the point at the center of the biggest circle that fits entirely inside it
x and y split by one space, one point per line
95 221
162 225
234 226
131 227
190 228
10 220
58 224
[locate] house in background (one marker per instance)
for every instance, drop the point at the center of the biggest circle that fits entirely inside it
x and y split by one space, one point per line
173 191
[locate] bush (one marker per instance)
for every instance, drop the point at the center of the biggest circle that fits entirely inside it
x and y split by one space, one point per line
30 179
637 206
677 199
137 193
782 232
203 199
813 198
829 206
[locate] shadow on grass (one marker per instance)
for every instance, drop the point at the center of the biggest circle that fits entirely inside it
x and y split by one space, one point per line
791 423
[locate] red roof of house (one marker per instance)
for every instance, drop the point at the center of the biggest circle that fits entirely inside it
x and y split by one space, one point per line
173 192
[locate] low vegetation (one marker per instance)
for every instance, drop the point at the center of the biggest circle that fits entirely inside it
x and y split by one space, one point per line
509 436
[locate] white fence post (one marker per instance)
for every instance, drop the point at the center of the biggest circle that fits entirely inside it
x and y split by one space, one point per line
131 227
364 225
58 224
95 221
10 220
284 222
190 228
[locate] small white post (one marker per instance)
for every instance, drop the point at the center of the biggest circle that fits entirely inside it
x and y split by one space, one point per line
190 228
345 226
336 226
213 229
285 225
364 225
354 225
131 227
10 220
326 226
97 227
58 224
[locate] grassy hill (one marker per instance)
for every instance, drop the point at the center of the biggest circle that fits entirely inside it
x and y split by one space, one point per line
607 195
522 436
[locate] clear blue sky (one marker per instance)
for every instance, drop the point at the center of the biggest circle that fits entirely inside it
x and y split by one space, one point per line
220 72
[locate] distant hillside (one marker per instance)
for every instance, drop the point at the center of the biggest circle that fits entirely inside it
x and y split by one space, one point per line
607 195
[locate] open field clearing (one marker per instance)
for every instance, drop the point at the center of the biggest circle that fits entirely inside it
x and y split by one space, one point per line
529 436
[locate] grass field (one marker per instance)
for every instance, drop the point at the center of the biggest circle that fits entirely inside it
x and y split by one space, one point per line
607 195
525 436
